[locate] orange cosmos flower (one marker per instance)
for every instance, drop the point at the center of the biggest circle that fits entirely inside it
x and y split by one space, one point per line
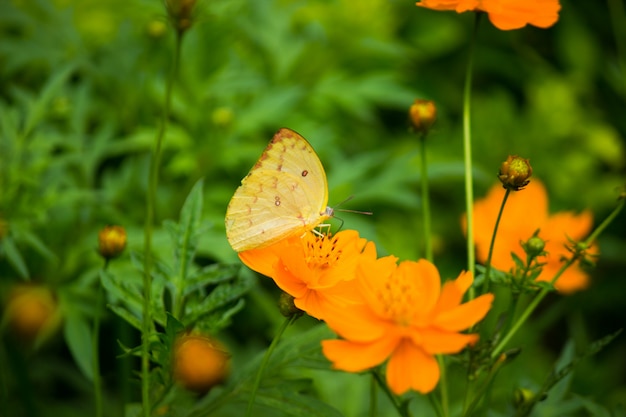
504 14
407 318
317 270
524 213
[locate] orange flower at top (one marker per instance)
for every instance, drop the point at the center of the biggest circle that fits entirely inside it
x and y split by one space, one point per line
407 318
524 213
504 14
318 271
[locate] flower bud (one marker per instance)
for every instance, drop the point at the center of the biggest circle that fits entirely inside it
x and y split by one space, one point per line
180 13
422 114
534 246
515 173
286 305
111 241
32 312
199 362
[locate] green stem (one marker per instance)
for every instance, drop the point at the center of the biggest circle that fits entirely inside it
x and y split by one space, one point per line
480 393
493 241
443 386
266 358
392 398
95 354
155 162
428 244
535 302
467 153
373 399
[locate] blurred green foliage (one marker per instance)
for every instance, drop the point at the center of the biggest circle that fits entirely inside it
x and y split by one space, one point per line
82 86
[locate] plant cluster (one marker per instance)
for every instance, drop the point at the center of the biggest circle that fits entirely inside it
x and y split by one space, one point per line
126 127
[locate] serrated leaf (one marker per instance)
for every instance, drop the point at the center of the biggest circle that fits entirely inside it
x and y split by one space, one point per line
216 321
288 400
186 232
79 341
210 275
219 297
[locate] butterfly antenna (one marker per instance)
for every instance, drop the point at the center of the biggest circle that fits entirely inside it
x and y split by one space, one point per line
368 213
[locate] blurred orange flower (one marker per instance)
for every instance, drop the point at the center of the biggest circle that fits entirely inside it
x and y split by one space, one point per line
199 362
524 213
407 318
504 14
317 270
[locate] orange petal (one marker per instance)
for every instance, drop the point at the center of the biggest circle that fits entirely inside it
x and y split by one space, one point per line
572 280
259 260
459 6
423 281
452 292
411 368
356 357
435 341
465 315
515 14
357 323
566 224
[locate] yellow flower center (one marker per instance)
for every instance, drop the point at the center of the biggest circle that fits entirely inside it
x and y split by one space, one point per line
322 252
398 299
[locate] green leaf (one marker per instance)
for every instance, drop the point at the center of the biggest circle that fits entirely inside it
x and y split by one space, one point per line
79 341
186 232
289 400
129 316
14 257
199 306
210 275
34 242
279 394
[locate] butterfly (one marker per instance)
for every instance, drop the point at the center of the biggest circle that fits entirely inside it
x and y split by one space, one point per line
284 195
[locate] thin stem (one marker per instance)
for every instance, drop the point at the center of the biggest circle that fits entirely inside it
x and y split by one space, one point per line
373 398
493 241
428 244
443 386
95 349
481 391
535 302
394 400
266 358
155 162
467 153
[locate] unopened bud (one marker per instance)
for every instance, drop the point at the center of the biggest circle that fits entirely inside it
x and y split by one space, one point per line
423 114
534 246
180 13
515 173
111 241
286 305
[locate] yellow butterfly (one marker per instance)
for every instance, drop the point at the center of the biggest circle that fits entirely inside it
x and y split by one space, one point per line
284 195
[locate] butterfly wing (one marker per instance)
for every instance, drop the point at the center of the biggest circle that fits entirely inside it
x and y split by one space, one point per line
284 194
